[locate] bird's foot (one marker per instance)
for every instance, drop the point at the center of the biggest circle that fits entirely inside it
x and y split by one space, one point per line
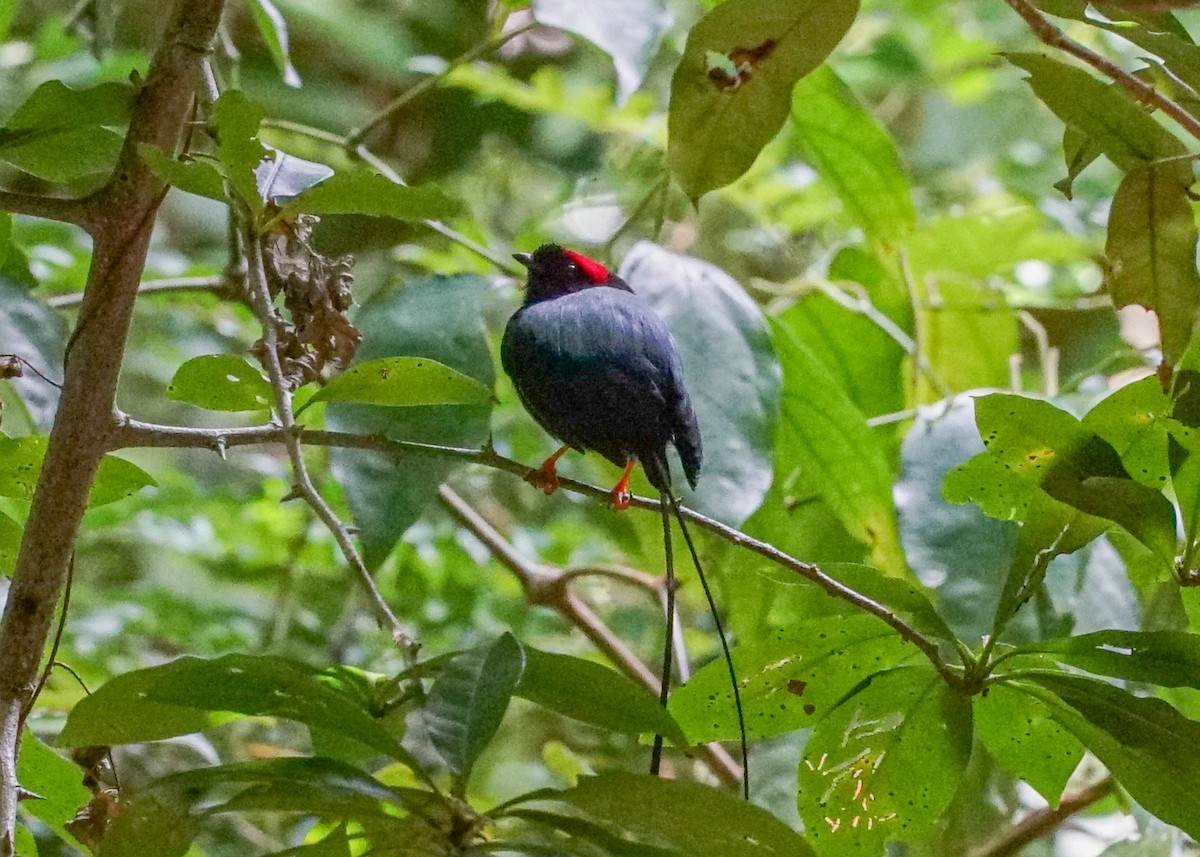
621 498
546 476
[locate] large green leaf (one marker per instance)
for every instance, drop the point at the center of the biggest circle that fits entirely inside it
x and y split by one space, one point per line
221 382
438 318
1166 658
885 764
1151 251
1019 732
1110 119
672 817
467 702
730 368
822 433
629 31
239 150
1133 420
593 693
61 134
732 89
403 382
789 680
185 695
21 462
360 191
1152 750
852 152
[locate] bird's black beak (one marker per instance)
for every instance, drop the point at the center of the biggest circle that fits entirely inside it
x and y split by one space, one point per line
525 259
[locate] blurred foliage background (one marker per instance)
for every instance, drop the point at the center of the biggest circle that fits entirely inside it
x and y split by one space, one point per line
904 239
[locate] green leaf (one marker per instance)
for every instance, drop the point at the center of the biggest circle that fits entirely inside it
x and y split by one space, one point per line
10 544
1151 251
1037 443
629 31
725 345
360 191
58 783
1151 749
221 382
239 150
682 818
198 177
787 681
468 700
60 134
273 29
885 764
822 433
951 244
852 152
731 92
24 843
902 597
592 693
438 318
967 336
403 382
21 462
31 329
184 695
1133 420
1019 732
1110 119
1166 658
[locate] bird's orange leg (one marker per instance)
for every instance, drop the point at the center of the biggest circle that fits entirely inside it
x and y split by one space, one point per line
546 477
620 493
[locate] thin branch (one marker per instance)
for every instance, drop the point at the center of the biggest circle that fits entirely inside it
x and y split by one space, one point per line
1045 821
356 136
155 287
132 433
1143 92
548 587
260 299
74 211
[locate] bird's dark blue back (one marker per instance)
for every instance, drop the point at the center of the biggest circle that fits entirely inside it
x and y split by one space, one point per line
598 369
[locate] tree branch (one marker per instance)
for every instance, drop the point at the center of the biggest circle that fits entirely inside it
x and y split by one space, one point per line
259 294
132 433
120 218
46 207
549 587
219 284
1143 92
1044 821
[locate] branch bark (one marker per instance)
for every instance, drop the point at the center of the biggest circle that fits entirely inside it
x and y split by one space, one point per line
1044 821
121 218
47 207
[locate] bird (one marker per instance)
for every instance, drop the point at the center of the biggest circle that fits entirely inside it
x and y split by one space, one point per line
598 369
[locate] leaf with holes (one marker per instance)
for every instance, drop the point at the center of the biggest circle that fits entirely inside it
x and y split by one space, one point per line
1023 738
788 681
398 382
731 92
220 382
1151 251
885 764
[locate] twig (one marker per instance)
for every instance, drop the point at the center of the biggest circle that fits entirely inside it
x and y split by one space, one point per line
132 433
73 211
154 287
260 299
1143 92
356 136
548 587
1044 821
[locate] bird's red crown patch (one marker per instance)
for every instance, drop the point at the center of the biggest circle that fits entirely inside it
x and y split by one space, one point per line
596 272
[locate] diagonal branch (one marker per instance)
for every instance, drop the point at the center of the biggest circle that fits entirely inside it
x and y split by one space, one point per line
1045 821
549 587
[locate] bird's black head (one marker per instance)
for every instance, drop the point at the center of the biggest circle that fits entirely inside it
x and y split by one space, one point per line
555 271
